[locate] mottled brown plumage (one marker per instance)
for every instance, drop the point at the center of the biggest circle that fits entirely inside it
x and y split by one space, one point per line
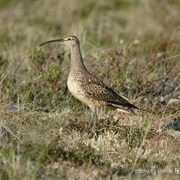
86 87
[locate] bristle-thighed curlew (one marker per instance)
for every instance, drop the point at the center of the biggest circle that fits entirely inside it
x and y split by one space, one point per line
86 87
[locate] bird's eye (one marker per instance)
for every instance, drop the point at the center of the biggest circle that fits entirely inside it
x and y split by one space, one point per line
69 38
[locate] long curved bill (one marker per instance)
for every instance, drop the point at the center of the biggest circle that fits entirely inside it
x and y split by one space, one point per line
55 40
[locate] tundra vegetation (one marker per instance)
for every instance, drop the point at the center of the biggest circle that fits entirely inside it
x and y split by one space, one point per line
133 46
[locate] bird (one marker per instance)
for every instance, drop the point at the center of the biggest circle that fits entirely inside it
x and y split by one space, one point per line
86 87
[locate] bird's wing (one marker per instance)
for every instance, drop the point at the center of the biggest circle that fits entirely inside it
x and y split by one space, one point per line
96 89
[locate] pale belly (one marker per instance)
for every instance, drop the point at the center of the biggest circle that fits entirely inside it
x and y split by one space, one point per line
79 93
76 90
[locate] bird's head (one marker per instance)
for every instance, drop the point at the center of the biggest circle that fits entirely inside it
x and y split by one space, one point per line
70 41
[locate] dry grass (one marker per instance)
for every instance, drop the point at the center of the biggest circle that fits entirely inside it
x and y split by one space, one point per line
133 46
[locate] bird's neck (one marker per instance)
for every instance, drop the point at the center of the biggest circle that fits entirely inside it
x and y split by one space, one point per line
76 59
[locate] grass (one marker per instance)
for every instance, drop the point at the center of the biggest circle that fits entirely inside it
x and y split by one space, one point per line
133 46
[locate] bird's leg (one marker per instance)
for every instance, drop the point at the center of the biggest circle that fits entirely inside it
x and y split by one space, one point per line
93 119
93 122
